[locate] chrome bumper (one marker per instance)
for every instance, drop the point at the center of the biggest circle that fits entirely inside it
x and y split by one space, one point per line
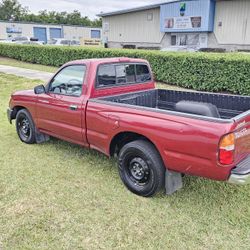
239 179
241 173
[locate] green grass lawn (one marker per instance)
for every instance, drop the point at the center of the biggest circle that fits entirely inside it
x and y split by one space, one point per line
58 195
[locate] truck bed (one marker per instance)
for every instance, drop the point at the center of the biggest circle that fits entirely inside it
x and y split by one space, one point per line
229 106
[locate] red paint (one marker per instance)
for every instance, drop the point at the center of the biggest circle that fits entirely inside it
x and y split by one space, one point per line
186 145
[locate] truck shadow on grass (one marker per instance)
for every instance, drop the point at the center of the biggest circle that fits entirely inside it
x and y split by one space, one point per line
194 188
87 184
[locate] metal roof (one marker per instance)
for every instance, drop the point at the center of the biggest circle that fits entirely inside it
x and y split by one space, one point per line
145 7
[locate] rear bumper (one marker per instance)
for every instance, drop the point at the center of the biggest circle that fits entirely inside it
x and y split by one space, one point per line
9 115
241 173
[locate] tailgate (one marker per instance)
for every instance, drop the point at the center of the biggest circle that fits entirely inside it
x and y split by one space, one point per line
242 136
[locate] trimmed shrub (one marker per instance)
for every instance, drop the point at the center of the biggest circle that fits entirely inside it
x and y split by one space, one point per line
200 71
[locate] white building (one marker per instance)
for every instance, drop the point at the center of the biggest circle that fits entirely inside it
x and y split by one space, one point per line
46 32
191 23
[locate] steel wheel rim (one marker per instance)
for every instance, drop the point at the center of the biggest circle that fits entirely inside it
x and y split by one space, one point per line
138 171
24 127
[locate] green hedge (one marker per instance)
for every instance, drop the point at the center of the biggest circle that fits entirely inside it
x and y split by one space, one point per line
201 71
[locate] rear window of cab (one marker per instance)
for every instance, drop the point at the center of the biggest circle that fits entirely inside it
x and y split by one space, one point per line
122 74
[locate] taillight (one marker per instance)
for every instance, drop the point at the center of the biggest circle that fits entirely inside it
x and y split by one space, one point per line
226 149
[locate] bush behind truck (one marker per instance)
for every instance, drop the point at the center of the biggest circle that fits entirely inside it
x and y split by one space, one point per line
200 71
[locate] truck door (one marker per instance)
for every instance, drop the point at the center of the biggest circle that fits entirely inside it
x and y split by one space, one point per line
61 110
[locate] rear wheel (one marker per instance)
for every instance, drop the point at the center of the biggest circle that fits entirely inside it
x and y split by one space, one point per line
25 127
141 168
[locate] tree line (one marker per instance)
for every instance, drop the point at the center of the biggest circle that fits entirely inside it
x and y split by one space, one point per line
12 10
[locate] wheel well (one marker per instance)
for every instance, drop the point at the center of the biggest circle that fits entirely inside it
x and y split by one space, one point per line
124 138
15 110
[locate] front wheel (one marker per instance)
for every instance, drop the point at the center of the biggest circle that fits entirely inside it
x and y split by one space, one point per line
141 168
25 127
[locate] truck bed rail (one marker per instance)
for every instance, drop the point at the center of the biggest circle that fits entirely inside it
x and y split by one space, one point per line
229 106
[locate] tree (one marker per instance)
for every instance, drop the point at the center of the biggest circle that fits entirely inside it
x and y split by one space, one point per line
11 10
53 17
97 22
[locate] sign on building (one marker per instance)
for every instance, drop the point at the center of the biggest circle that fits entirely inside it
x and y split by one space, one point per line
183 22
91 42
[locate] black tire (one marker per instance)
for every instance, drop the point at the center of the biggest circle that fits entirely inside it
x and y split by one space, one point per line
141 168
25 127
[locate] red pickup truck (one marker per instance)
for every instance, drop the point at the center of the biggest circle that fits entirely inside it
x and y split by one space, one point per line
112 105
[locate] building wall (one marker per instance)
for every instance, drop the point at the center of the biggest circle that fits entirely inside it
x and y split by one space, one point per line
232 23
26 29
225 24
77 33
138 27
68 32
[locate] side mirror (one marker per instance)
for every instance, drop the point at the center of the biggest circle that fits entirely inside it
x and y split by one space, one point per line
40 89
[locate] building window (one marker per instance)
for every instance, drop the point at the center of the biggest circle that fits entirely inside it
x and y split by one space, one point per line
173 40
150 16
95 34
185 40
189 39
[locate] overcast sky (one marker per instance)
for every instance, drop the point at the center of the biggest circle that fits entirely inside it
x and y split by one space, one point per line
86 7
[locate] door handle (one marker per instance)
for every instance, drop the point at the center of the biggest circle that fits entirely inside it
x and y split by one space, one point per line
73 107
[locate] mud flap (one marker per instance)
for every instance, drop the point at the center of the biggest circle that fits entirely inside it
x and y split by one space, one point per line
40 137
173 182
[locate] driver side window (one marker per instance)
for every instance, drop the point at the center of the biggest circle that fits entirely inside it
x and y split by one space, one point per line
69 81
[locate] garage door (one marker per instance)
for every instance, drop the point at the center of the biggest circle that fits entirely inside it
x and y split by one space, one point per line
55 33
40 33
